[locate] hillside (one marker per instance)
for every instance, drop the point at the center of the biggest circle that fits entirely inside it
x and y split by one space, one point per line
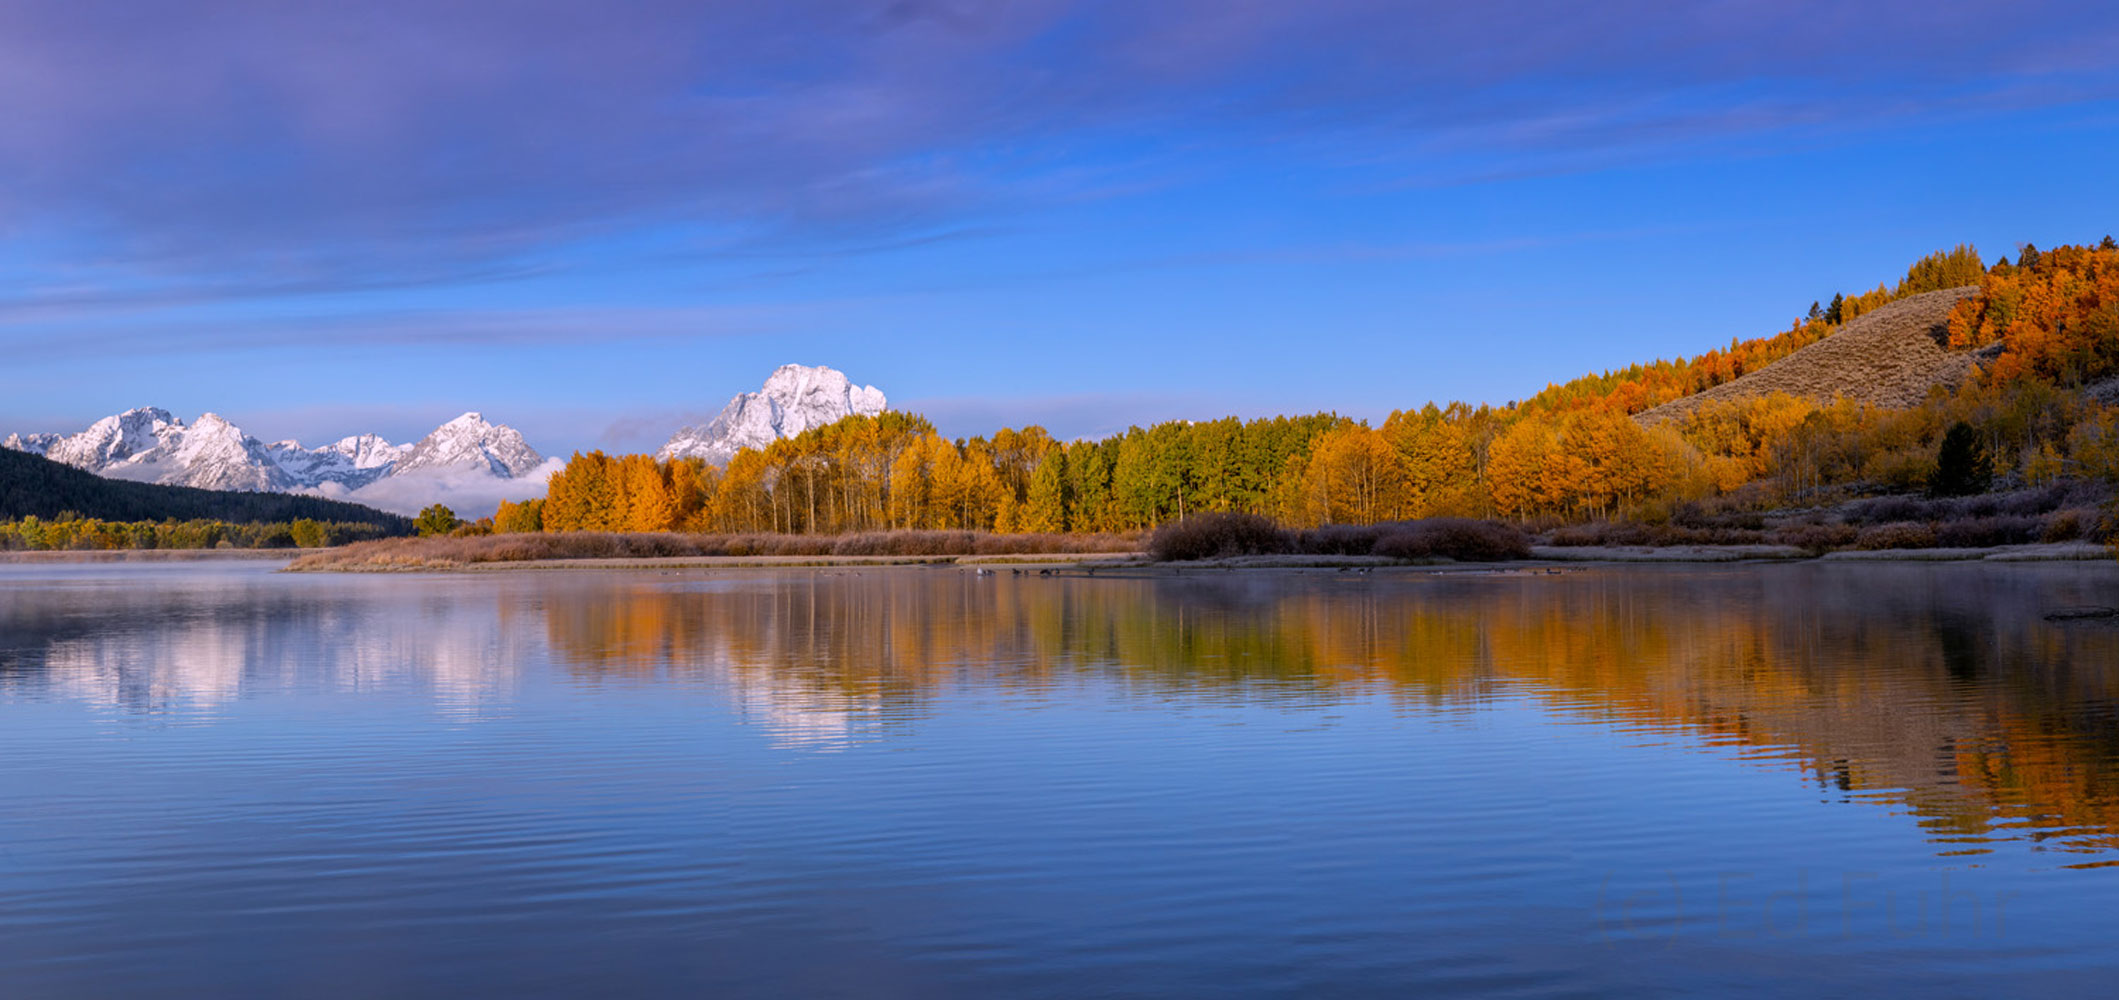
34 486
1889 357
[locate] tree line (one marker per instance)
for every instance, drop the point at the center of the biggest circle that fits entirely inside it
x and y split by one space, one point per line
1573 451
70 531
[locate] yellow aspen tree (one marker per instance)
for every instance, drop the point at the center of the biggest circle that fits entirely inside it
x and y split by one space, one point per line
648 506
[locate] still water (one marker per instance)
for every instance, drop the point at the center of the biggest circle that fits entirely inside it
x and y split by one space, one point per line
1810 780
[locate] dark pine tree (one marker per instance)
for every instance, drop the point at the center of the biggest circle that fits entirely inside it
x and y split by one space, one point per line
1963 467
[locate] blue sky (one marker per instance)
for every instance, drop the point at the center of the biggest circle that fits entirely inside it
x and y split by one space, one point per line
597 222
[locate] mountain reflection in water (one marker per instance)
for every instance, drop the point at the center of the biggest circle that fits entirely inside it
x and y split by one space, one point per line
1940 687
1803 779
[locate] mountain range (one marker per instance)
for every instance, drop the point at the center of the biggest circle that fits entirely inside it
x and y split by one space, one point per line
468 463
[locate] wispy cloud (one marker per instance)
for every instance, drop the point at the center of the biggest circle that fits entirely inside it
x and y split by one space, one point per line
299 146
414 329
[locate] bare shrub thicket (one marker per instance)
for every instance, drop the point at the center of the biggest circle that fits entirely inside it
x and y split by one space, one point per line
1813 536
1896 535
2059 512
1212 536
1218 535
1462 539
1984 532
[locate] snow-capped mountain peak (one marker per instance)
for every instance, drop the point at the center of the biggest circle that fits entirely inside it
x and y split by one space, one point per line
469 442
216 455
367 451
794 399
119 438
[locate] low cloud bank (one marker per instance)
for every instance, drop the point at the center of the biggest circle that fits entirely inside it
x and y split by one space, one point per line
471 495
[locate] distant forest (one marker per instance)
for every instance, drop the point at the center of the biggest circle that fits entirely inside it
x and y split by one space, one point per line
33 486
1570 453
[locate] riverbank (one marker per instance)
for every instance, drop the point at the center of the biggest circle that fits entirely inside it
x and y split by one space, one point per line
1542 558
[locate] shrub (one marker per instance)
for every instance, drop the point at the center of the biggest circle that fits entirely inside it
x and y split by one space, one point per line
1814 537
1689 514
1211 536
1459 538
1982 532
1579 534
1701 531
1340 540
1981 506
1883 510
2043 501
2067 525
1897 535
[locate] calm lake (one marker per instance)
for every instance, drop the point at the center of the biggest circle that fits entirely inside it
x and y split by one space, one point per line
1799 780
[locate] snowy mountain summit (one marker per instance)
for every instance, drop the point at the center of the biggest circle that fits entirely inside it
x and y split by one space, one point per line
149 445
795 398
470 443
464 459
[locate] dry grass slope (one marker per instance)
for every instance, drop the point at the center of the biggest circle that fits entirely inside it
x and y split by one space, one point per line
1889 357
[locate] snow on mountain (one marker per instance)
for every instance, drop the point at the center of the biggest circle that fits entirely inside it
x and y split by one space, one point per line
35 444
149 445
467 463
214 455
350 462
795 398
126 437
469 442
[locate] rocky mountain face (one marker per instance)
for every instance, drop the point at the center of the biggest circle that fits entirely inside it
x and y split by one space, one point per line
794 399
150 445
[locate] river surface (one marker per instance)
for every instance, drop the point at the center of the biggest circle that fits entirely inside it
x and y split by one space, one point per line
1786 780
